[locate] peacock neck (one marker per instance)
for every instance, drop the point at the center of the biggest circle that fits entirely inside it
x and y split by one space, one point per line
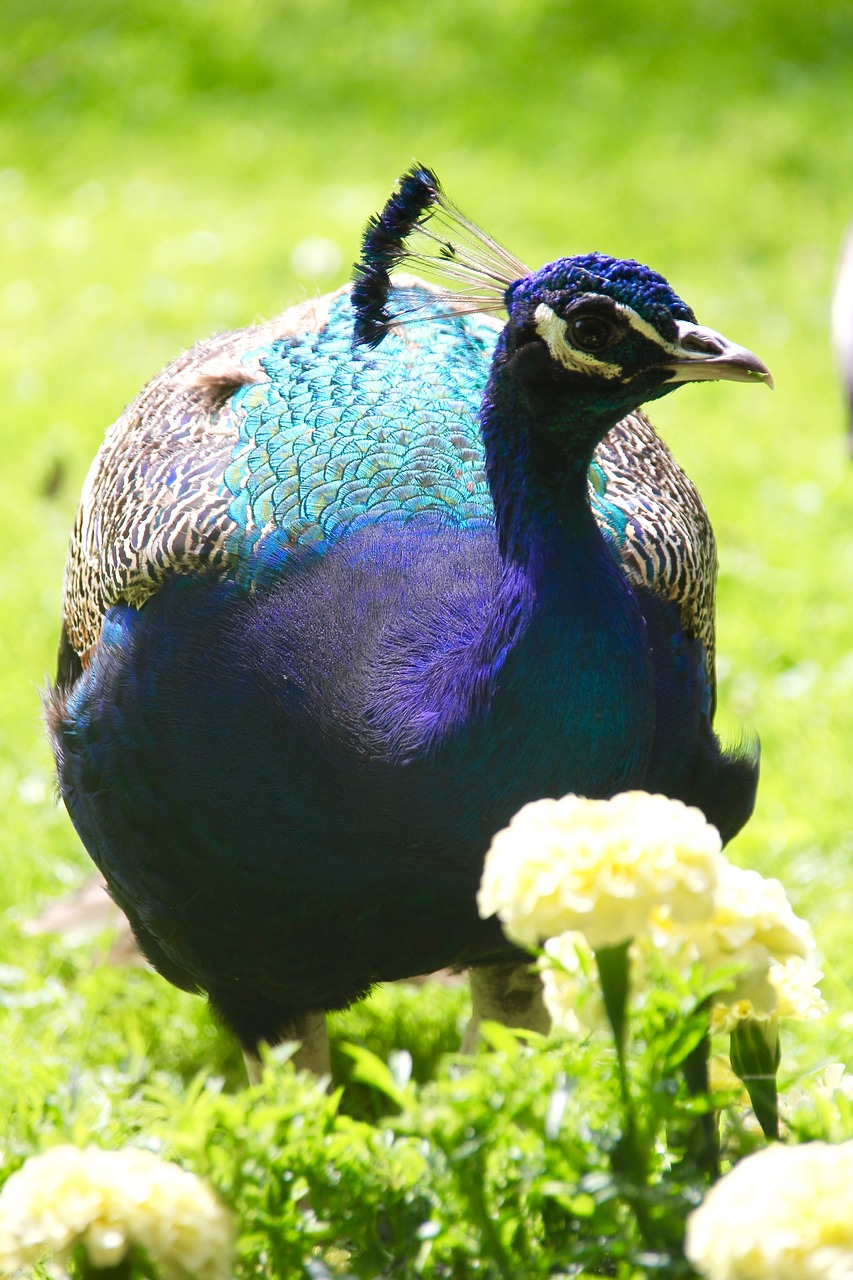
565 631
538 444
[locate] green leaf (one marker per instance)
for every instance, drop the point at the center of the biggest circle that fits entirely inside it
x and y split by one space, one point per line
501 1039
372 1071
614 974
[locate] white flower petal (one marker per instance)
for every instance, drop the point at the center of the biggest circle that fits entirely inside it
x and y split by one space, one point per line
784 1213
601 867
110 1201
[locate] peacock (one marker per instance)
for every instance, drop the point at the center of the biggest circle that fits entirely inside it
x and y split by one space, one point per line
347 588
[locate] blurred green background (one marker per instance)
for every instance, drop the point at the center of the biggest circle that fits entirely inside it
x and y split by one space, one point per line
173 167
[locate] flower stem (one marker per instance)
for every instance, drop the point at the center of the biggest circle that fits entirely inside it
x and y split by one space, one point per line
119 1271
613 973
85 1269
629 1156
703 1139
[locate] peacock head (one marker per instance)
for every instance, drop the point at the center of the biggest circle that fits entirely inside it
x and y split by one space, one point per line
587 339
611 334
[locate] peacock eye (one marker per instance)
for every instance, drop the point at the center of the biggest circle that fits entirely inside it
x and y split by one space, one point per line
591 333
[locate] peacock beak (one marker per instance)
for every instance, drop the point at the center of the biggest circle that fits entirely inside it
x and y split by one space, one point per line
701 354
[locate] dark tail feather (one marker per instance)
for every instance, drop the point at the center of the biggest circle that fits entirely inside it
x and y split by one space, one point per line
383 248
723 784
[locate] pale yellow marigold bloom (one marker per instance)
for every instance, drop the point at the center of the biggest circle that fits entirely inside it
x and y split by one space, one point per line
749 909
771 990
110 1201
570 985
797 993
784 1213
752 926
599 866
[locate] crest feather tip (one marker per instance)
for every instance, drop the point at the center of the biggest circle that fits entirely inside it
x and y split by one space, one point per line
421 227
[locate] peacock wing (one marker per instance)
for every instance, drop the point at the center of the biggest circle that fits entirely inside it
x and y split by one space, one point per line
658 524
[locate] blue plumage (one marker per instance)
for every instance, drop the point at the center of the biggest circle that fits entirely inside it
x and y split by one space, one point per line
334 611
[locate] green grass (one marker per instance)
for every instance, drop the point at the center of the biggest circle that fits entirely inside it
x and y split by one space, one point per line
159 164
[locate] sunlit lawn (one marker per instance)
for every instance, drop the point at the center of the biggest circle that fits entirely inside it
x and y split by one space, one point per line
164 169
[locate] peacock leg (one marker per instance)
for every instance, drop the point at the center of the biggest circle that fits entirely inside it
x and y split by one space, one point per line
313 1052
254 1067
507 993
311 1055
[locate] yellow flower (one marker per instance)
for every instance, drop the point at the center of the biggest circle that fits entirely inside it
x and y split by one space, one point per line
797 993
569 973
749 909
772 989
784 1213
599 866
753 927
110 1201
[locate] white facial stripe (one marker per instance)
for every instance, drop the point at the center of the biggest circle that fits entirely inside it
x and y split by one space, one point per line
648 331
716 345
552 330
